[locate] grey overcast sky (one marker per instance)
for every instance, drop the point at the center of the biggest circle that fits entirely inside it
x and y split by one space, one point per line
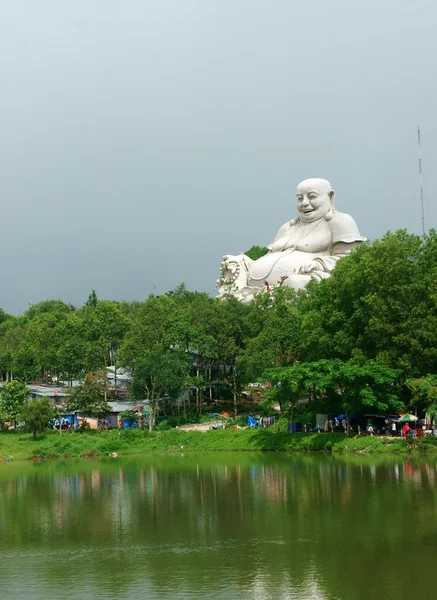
143 139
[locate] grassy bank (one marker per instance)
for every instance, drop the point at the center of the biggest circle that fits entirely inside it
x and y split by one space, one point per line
95 443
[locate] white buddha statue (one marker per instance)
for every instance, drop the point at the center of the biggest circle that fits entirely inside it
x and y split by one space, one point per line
307 247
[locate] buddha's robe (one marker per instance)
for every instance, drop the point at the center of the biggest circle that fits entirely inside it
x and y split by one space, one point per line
297 244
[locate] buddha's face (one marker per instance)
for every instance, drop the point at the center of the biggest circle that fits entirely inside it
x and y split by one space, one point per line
314 199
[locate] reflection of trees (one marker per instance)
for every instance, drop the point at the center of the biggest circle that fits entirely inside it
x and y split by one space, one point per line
249 522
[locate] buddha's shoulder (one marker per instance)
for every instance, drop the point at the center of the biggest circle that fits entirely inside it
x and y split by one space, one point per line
340 219
287 226
343 225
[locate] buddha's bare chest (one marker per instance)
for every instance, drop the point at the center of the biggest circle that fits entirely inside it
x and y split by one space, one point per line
306 238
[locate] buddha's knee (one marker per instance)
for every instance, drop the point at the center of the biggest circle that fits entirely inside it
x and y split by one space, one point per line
297 281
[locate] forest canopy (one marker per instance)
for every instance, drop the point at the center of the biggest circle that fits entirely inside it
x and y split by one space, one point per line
379 305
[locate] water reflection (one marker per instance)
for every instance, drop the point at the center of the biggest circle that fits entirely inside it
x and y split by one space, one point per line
242 526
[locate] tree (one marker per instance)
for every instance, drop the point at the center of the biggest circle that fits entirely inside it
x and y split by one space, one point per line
149 327
48 307
26 364
89 399
289 385
367 386
256 252
41 334
159 376
349 386
190 329
380 303
13 396
424 393
93 300
72 346
230 333
37 414
12 332
276 339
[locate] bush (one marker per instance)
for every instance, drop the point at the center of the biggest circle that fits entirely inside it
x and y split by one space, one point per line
37 415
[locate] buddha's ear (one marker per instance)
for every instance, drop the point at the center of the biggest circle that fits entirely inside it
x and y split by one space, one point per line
332 196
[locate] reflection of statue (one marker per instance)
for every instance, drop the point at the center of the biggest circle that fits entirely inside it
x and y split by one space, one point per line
305 248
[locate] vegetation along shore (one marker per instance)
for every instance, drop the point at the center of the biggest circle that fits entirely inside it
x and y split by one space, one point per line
358 348
19 446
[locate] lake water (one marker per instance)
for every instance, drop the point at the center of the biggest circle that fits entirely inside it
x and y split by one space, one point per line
241 526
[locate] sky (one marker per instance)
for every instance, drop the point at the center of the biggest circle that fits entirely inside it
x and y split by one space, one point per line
142 140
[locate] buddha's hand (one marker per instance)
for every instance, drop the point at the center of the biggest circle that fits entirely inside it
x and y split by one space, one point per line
309 267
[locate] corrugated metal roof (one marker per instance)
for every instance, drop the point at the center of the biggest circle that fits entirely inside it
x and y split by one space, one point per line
120 406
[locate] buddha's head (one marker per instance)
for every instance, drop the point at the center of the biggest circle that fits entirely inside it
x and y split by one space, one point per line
315 199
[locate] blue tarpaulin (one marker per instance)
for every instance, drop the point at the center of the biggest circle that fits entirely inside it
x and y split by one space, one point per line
352 416
71 419
252 422
293 427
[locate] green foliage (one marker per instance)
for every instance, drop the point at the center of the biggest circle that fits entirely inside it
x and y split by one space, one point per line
48 307
289 385
13 396
369 386
89 399
37 414
92 301
72 346
149 327
380 303
352 386
423 390
424 394
4 316
276 338
379 306
158 378
26 363
129 414
105 327
95 443
256 252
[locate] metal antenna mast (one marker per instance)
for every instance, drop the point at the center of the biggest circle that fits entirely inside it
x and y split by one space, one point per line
420 180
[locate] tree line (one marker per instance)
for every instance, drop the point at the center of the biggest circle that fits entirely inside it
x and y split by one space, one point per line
366 337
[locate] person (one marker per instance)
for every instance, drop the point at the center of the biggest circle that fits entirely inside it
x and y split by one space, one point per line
407 429
393 429
307 247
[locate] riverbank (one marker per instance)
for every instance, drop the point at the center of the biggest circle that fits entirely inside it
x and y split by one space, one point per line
96 443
